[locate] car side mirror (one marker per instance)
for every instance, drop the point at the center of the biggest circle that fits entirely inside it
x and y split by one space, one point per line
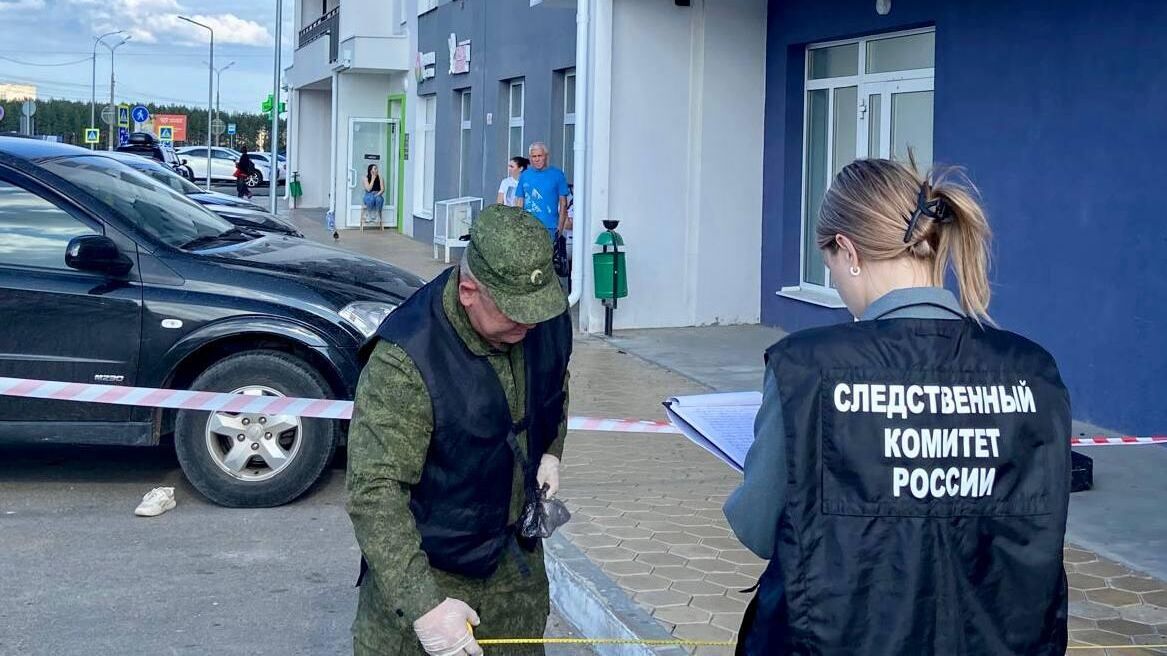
97 254
184 160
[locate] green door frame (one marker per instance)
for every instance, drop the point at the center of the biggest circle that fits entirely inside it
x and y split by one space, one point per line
399 98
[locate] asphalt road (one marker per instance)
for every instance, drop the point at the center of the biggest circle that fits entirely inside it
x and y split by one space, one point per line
80 574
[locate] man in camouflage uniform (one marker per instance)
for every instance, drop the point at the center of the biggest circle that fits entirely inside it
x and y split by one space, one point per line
407 467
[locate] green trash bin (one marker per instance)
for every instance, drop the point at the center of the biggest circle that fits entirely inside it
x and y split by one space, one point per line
607 279
294 188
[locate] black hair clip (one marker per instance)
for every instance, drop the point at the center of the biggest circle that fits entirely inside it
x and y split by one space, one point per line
936 209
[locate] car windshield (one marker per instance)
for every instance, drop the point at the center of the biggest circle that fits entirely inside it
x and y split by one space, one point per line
154 208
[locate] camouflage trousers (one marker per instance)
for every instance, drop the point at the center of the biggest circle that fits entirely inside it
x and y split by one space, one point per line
509 605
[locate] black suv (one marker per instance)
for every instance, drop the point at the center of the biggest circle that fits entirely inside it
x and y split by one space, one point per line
107 276
145 145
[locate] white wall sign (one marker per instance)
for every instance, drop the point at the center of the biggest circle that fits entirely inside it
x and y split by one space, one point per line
423 65
459 55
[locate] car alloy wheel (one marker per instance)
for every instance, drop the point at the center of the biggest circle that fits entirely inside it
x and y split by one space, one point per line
253 447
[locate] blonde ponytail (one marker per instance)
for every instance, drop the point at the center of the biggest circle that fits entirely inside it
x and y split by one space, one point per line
889 210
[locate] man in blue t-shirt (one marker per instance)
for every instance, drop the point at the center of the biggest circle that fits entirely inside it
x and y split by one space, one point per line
542 190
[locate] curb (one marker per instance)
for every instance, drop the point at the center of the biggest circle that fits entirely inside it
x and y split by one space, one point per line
595 605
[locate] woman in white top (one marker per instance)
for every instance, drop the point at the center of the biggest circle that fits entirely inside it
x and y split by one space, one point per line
506 190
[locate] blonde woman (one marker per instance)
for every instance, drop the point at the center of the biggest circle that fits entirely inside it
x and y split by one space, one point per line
909 479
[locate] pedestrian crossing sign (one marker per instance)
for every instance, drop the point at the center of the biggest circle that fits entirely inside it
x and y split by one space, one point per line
166 133
92 135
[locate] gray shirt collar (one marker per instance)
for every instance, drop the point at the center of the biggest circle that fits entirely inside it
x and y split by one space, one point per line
918 302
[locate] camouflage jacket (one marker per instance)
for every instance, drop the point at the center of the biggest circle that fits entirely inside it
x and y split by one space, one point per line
388 440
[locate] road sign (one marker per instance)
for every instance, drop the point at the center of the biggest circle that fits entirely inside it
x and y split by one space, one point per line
166 133
140 114
1 113
28 108
107 114
92 135
230 127
123 136
123 116
217 126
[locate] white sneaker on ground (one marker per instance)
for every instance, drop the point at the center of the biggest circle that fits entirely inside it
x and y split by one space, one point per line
156 502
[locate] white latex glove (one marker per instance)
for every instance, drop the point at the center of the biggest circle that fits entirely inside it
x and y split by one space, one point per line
443 630
548 474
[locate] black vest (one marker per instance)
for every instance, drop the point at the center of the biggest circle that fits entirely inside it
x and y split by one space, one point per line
929 470
462 502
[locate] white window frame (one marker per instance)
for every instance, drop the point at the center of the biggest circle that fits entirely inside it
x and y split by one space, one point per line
423 203
568 119
811 292
424 6
465 136
514 149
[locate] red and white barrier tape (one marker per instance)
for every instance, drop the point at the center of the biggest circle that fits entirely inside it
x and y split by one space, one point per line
333 409
259 405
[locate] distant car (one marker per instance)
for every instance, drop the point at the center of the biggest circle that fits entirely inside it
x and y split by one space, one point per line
235 210
145 145
107 276
222 164
265 159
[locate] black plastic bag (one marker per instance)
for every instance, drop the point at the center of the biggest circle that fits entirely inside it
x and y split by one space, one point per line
559 259
541 518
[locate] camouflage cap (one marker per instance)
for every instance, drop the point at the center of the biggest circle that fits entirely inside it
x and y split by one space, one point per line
510 252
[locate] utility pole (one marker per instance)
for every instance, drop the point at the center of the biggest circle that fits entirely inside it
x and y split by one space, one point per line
93 81
275 111
210 95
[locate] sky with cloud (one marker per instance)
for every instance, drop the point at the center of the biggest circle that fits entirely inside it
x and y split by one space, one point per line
49 43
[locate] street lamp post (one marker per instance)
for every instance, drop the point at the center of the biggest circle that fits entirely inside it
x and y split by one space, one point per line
112 143
210 91
93 82
218 89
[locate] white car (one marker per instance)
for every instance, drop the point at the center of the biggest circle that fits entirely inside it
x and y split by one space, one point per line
264 159
222 165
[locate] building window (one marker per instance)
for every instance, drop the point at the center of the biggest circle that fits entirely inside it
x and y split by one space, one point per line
515 121
423 191
568 150
465 141
866 98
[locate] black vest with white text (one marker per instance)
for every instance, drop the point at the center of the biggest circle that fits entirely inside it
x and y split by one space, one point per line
462 502
928 471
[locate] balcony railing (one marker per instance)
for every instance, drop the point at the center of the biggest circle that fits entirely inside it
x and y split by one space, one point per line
327 24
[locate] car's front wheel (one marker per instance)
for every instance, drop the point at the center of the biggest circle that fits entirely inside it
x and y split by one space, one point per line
256 460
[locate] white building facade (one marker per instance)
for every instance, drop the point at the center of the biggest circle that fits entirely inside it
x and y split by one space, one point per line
349 102
671 146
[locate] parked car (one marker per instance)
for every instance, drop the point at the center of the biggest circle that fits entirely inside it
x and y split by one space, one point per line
265 159
108 276
145 145
222 165
236 210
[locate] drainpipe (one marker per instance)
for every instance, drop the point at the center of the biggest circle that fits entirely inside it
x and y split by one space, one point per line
582 228
334 161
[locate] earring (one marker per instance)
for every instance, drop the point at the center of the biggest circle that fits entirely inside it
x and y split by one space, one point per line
854 270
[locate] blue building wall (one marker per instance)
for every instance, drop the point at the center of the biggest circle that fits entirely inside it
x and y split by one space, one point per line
1058 111
509 39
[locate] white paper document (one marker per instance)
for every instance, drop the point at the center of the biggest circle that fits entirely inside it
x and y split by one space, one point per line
722 424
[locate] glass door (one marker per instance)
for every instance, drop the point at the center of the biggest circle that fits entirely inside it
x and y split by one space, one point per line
372 141
896 116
